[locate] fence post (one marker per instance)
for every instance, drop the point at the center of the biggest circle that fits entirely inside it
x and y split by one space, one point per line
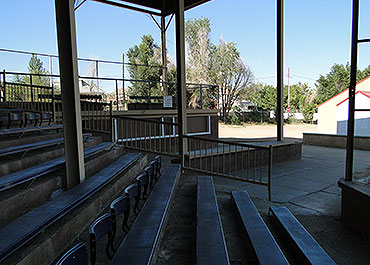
31 90
201 96
111 121
4 85
52 103
269 173
117 97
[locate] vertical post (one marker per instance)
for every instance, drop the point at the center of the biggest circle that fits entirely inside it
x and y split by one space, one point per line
112 129
201 95
181 92
288 91
280 68
123 82
117 97
97 73
67 50
269 172
164 55
352 92
31 85
51 70
4 86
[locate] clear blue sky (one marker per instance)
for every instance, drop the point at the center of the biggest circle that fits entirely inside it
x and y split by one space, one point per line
317 34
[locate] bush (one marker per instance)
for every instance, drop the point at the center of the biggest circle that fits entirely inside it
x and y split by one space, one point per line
234 120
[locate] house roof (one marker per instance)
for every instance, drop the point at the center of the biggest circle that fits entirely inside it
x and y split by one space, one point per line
365 93
359 82
166 7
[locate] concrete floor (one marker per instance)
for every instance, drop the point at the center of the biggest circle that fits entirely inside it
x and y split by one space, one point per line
308 187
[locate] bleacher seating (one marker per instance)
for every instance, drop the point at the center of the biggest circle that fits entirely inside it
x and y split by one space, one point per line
263 243
302 245
99 228
141 242
211 246
75 256
20 231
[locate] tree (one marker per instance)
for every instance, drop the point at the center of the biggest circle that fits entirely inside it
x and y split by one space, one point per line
220 65
336 81
35 67
145 65
231 74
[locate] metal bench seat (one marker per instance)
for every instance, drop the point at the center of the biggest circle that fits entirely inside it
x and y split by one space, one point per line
263 243
304 247
211 246
141 243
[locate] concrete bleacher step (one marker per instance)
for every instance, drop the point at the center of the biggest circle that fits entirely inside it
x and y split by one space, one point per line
65 215
301 245
23 190
264 246
211 246
36 153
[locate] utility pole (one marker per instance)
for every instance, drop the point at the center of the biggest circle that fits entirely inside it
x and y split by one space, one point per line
123 82
288 91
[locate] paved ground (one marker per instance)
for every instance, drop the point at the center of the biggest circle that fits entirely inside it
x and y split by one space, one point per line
308 187
263 131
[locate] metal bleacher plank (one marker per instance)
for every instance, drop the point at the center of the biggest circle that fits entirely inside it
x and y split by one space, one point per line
264 245
140 244
306 249
26 147
24 130
211 246
19 232
44 168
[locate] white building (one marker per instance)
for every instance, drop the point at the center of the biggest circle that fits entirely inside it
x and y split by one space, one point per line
362 118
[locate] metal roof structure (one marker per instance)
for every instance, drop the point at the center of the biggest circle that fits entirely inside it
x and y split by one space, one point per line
153 7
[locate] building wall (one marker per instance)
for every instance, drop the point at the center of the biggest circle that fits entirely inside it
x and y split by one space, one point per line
327 111
362 118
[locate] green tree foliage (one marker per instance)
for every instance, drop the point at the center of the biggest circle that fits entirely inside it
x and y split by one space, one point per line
336 81
220 65
35 67
145 65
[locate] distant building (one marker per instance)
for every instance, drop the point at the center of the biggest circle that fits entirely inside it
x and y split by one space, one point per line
362 118
328 111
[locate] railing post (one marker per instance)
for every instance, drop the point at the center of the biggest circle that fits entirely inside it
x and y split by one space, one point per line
4 86
117 98
201 96
31 90
53 103
269 173
111 121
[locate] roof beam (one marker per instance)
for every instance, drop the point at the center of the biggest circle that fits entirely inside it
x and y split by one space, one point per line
129 7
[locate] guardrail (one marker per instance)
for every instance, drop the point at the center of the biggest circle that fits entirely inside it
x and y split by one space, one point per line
244 162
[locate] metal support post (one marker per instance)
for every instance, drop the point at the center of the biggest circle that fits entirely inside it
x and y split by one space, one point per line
181 92
66 32
164 56
280 68
352 92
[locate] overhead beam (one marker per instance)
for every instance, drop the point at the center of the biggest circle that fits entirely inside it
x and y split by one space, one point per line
72 127
129 7
181 88
352 92
280 68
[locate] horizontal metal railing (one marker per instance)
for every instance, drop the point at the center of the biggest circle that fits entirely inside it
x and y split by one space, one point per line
150 135
244 162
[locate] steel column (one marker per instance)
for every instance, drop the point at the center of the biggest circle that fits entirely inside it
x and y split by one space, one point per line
181 92
280 68
164 55
67 50
352 92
